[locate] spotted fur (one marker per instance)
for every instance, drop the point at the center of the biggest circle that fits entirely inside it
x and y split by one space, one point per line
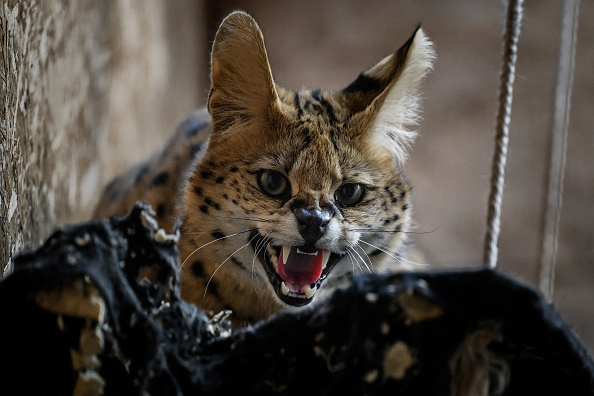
266 167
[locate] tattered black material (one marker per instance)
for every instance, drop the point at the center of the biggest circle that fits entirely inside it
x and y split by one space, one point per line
384 335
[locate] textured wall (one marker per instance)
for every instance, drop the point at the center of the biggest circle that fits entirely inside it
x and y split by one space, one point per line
87 88
47 116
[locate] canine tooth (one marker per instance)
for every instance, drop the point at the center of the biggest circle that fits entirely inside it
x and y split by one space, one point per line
309 292
284 289
325 257
286 251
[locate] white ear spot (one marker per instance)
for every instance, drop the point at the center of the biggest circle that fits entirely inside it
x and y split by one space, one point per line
400 108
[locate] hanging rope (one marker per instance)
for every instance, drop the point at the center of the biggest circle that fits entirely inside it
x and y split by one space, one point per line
510 54
558 144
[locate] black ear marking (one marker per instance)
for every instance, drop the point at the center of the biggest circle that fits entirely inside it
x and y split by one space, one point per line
160 179
364 84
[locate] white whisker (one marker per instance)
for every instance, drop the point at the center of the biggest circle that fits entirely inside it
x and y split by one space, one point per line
366 255
362 260
261 244
227 259
353 261
213 241
394 256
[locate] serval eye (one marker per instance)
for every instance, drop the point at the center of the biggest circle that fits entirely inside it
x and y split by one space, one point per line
349 194
273 183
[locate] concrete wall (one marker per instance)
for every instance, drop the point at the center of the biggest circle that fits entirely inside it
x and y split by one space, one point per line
87 88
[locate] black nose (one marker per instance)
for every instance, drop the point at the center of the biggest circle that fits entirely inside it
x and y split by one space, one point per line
312 223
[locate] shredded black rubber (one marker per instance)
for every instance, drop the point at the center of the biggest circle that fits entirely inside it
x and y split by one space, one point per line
428 333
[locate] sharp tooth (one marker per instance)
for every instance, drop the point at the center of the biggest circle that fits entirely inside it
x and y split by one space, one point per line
309 292
284 289
286 251
325 257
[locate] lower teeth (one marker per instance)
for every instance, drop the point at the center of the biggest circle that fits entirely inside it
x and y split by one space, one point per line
307 291
284 289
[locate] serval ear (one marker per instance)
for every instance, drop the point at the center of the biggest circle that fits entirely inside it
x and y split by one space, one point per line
386 98
242 84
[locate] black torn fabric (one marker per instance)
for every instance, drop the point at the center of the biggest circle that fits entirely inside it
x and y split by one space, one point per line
97 310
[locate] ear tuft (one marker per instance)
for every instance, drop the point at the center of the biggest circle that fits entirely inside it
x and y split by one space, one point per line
388 94
399 108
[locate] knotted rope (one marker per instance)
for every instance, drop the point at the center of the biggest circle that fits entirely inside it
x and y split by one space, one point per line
558 144
508 73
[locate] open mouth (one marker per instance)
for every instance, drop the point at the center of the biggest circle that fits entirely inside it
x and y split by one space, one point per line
295 272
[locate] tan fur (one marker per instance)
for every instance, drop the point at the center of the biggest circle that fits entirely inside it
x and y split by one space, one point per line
317 141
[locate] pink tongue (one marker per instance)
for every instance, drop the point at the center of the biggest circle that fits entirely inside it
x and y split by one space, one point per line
300 269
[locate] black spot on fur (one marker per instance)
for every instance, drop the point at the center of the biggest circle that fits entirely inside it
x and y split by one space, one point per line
375 253
233 169
115 194
235 202
197 268
220 180
203 209
113 190
327 106
218 234
206 174
160 210
192 128
404 207
141 173
297 104
198 191
194 149
236 262
402 194
210 202
398 228
225 196
160 179
213 289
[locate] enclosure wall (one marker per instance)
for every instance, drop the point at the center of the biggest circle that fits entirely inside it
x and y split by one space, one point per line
87 88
